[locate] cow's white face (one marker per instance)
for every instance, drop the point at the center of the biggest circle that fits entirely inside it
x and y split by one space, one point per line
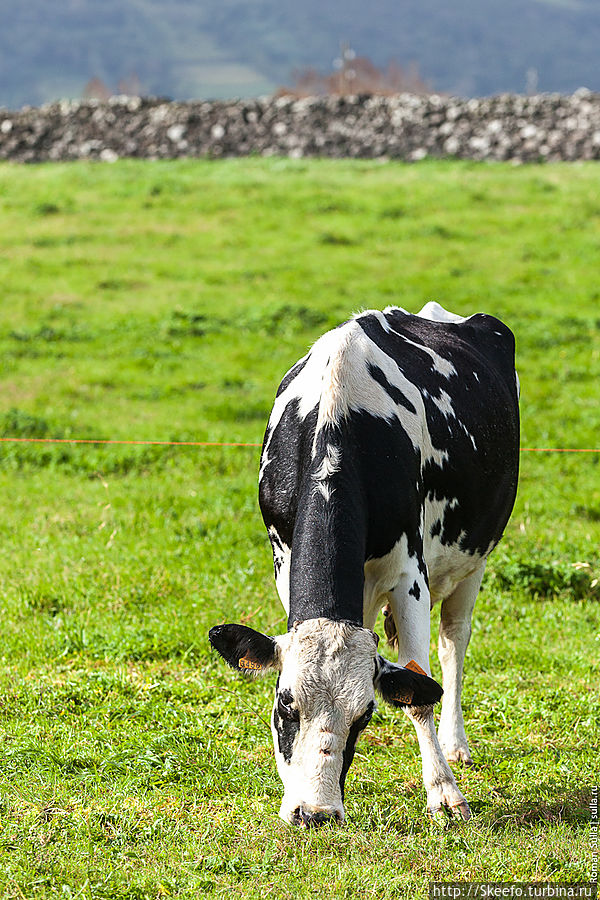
324 698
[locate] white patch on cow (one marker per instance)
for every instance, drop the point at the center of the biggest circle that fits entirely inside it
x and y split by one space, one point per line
334 399
264 462
348 387
282 559
328 668
333 377
476 376
382 575
447 564
393 579
329 466
464 428
313 386
444 404
518 385
325 490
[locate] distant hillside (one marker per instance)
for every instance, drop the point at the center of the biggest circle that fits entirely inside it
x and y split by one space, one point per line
226 48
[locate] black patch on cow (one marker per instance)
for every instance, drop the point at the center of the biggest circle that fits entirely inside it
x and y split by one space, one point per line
397 396
436 528
355 729
415 591
286 721
279 490
243 648
374 500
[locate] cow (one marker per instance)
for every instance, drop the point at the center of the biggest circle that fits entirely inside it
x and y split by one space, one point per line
388 474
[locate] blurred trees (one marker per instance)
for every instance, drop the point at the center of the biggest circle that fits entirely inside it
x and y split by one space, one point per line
96 89
354 74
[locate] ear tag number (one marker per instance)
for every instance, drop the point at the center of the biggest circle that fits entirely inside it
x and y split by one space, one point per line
404 698
244 663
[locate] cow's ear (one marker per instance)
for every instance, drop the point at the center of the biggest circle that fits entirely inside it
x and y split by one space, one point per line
405 685
245 649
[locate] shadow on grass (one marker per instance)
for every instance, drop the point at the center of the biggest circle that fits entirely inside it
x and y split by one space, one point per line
570 806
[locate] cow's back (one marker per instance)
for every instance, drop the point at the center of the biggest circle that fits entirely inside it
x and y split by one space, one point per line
406 424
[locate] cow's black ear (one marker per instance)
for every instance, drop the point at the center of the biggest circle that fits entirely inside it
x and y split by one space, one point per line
405 685
245 649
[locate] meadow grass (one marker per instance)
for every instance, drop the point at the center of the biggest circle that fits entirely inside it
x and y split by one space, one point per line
164 301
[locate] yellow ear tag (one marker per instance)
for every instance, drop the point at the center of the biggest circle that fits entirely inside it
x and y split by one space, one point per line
415 667
244 663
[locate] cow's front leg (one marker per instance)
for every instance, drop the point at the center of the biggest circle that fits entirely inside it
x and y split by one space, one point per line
442 791
410 606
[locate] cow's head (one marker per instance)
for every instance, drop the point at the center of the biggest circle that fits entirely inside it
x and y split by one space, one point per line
328 674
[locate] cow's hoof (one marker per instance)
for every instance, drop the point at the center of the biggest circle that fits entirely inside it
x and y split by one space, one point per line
459 755
462 810
442 816
457 751
445 802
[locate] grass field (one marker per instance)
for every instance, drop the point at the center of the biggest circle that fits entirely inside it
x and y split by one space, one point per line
164 301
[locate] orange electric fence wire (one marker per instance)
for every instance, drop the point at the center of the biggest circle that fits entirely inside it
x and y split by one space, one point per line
147 443
17 440
558 450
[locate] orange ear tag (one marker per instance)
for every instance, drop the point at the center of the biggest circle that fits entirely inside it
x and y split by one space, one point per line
415 667
244 663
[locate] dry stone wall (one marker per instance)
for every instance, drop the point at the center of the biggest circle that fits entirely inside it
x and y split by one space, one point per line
405 126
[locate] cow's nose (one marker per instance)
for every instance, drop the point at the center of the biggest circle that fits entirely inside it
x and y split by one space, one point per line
307 818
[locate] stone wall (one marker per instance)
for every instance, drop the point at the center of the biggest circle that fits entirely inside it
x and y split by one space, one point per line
405 126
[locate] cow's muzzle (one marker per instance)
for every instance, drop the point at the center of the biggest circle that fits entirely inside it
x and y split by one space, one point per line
304 817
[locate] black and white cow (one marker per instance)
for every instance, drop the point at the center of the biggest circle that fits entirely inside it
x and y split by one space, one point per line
388 474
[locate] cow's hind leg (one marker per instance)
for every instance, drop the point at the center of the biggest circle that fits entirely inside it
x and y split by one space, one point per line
455 631
412 617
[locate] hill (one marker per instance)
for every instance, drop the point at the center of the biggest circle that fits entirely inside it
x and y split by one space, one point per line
224 48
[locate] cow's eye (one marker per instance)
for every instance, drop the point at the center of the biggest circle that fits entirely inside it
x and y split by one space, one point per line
286 710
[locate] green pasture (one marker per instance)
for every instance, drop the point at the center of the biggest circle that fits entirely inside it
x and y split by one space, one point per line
164 301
